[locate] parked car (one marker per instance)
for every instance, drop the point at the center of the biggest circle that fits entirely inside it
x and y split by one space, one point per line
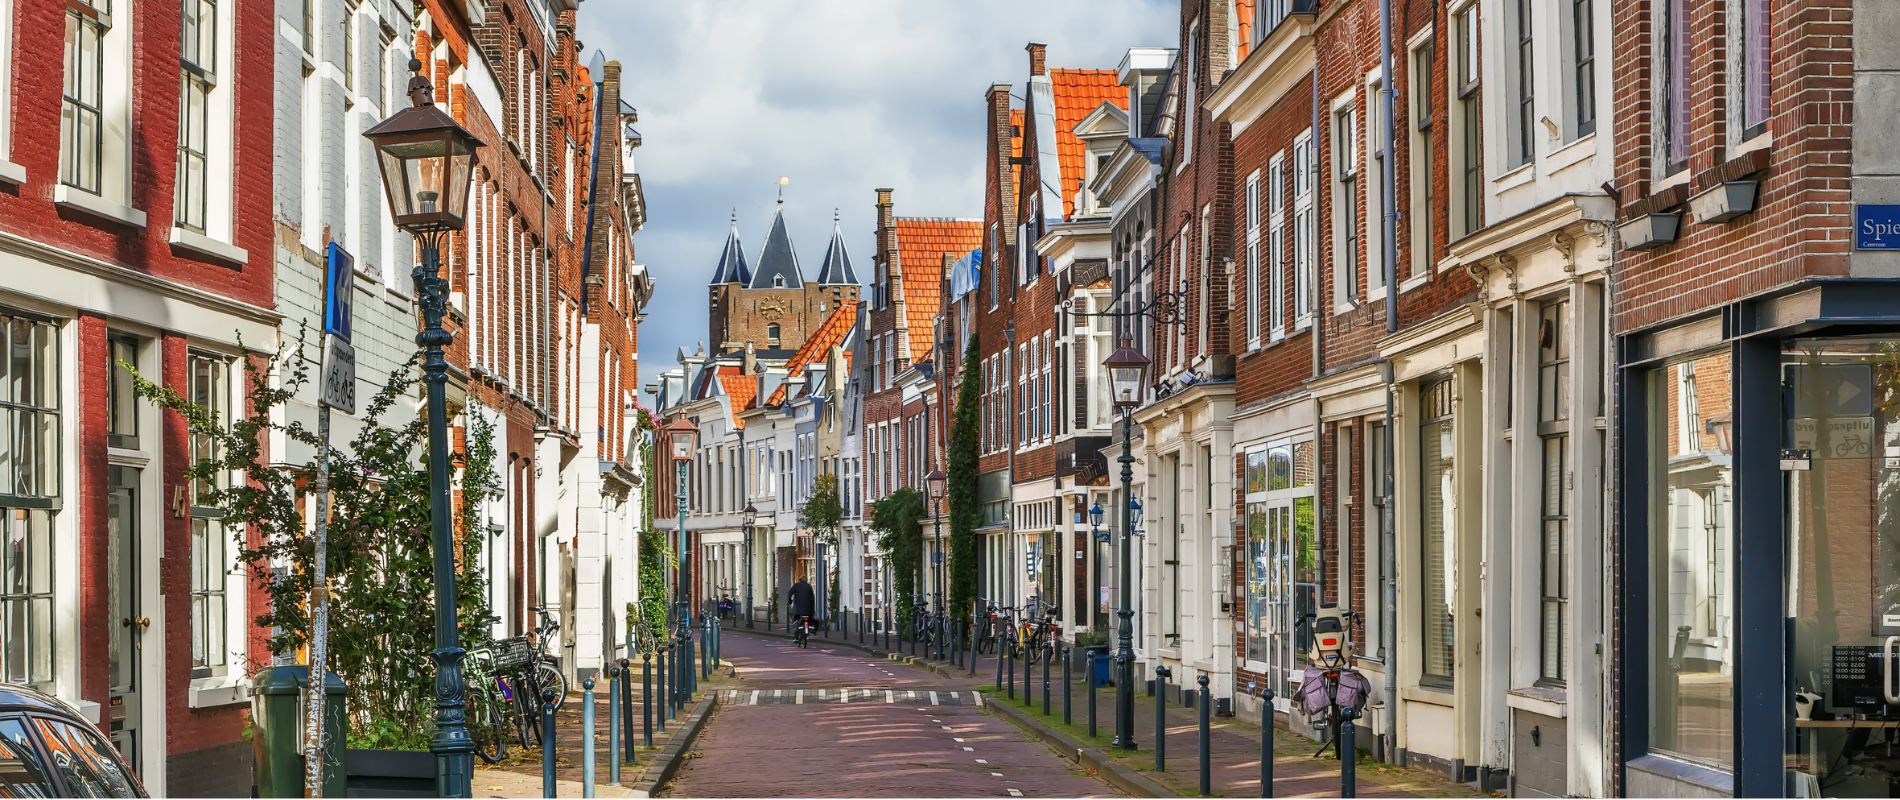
48 749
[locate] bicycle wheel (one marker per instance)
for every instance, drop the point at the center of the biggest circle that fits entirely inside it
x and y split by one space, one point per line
485 727
547 677
527 710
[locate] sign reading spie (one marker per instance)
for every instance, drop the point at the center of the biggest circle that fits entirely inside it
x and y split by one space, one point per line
1876 227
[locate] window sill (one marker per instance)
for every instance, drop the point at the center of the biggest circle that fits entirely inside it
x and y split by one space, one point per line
97 206
1518 176
219 690
207 246
1428 695
1548 701
1415 281
11 172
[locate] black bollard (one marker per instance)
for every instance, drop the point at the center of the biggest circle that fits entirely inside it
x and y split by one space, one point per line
631 749
1011 658
1206 765
547 742
1068 681
1089 677
646 697
1348 755
1048 653
1266 743
1162 674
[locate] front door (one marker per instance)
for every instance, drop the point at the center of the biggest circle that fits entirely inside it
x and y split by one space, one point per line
127 621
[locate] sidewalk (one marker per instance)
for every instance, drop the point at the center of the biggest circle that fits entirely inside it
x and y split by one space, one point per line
519 773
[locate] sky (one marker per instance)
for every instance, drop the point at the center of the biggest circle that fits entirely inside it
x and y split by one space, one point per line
840 96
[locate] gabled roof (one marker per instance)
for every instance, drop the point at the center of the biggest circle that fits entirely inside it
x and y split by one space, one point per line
732 265
836 271
922 242
1078 92
742 388
778 262
829 334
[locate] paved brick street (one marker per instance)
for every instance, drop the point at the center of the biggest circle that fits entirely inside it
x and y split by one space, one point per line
880 742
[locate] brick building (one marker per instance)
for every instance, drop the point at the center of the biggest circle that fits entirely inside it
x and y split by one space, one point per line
1753 313
152 248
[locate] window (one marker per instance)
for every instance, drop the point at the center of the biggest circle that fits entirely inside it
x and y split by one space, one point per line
1305 262
1691 646
1253 259
1673 138
1583 45
1553 432
29 488
771 333
1373 218
1189 89
1283 557
1346 218
200 75
349 52
1752 83
1437 507
122 418
1276 244
1470 166
309 26
81 131
1374 536
1419 219
1525 147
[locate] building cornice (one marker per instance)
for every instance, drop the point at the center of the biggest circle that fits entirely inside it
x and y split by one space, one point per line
1269 73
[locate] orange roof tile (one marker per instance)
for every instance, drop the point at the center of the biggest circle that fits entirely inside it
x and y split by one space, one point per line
1078 92
829 334
922 243
1015 153
742 388
1243 11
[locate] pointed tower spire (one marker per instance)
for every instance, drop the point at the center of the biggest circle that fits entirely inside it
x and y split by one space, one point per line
778 262
836 270
732 264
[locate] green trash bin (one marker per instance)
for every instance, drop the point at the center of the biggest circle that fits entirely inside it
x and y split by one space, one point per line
278 706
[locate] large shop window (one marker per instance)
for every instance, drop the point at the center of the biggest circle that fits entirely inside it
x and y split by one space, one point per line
1692 667
1283 558
1841 402
29 487
1438 507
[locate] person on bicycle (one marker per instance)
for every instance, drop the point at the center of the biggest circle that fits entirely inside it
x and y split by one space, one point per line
803 602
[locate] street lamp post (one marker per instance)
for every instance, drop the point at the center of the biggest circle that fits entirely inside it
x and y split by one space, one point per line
748 517
684 437
1126 368
425 159
935 481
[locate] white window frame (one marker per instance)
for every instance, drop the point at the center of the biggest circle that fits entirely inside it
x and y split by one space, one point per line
10 172
1251 203
1372 183
113 198
1421 130
1276 246
1305 232
1346 219
1464 200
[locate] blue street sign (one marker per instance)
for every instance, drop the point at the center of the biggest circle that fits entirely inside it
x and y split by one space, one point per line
339 292
1876 227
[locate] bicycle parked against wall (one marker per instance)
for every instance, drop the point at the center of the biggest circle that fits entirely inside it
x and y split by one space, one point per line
540 672
491 708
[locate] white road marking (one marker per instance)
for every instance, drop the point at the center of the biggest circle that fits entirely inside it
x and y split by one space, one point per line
801 697
910 696
777 692
946 727
979 698
933 698
956 738
755 698
969 749
889 697
1015 793
981 761
997 774
821 694
953 695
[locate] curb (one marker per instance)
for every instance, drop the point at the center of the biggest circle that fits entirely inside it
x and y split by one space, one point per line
674 754
1109 769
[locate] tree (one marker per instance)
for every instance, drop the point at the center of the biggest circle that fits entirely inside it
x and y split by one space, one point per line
379 557
901 537
656 548
822 514
965 514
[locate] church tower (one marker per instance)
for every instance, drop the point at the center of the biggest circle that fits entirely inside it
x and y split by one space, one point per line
769 304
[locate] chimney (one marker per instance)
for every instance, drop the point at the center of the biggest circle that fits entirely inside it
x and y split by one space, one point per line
1002 136
1038 59
750 364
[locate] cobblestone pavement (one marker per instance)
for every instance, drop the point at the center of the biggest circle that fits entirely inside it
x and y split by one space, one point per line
883 739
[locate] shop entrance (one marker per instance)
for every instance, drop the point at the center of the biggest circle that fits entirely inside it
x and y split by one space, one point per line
1841 468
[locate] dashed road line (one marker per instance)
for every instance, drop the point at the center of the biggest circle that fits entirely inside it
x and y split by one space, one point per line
933 698
755 698
801 697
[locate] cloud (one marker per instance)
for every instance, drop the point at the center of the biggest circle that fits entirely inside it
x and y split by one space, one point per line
842 96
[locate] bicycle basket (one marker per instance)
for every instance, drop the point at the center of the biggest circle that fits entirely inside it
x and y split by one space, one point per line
512 653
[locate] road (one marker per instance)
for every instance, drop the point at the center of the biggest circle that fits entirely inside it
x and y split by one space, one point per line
790 729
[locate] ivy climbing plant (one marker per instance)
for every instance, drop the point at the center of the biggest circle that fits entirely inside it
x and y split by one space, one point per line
900 536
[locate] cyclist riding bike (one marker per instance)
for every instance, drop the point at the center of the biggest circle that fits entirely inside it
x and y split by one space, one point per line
804 604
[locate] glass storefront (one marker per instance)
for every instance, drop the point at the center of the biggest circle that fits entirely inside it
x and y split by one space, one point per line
1283 563
1691 630
1841 468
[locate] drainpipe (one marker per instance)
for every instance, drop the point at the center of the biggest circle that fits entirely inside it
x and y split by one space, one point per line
1389 567
1389 171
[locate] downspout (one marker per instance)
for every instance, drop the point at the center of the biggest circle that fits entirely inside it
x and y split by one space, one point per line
1388 556
1389 170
